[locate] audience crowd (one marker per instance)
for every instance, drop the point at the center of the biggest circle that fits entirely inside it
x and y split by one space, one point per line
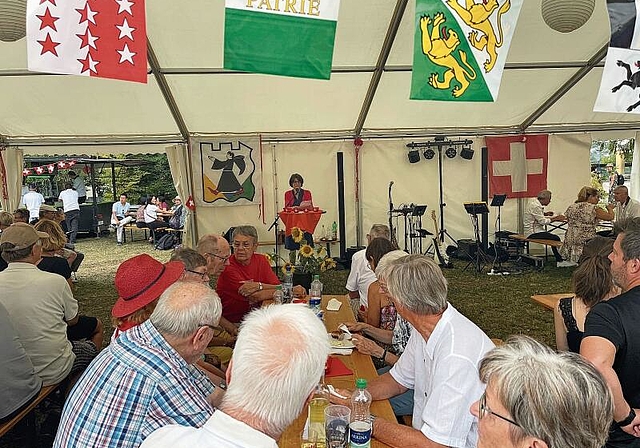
191 366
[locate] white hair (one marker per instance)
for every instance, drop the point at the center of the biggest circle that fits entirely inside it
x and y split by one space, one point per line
184 307
559 398
278 359
386 260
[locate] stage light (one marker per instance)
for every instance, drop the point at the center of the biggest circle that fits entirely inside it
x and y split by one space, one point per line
414 156
451 152
429 154
466 153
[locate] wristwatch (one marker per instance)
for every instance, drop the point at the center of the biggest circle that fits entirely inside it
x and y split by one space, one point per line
628 420
259 286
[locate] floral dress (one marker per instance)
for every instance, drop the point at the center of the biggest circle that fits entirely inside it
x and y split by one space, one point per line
388 316
581 227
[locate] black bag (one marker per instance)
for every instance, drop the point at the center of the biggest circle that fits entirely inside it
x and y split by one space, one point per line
176 218
620 179
167 242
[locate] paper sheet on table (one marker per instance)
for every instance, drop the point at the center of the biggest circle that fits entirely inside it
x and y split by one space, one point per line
334 305
341 351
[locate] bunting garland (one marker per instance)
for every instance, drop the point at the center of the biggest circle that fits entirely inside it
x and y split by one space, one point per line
49 168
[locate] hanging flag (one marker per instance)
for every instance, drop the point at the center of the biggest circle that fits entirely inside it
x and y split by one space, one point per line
620 84
460 48
228 171
105 39
278 37
518 165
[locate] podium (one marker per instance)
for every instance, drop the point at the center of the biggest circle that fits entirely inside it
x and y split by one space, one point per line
305 220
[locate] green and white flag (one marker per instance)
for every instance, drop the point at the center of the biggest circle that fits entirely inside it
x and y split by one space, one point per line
460 48
281 37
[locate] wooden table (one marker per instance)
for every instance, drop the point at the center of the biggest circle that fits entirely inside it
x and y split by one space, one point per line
550 301
360 364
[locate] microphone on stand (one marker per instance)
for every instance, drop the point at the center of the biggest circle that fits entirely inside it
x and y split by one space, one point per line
390 201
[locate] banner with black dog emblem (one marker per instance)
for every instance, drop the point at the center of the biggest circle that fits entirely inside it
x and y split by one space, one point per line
620 85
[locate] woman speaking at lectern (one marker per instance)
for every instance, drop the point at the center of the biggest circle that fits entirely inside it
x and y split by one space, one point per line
298 199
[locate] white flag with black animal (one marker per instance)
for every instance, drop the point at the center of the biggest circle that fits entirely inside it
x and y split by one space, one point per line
620 85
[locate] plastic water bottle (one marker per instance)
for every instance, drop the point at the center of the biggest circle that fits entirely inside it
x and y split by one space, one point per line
287 286
277 295
334 231
315 294
360 427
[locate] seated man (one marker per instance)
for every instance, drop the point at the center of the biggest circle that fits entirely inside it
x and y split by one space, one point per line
248 280
538 398
267 388
215 249
20 384
73 257
120 216
42 308
625 206
535 220
361 275
440 361
146 379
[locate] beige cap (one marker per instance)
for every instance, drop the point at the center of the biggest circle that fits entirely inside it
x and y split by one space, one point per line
48 208
21 235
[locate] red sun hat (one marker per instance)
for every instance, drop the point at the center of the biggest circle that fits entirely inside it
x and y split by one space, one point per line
141 280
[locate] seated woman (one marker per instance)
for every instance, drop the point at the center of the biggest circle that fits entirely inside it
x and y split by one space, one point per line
153 218
592 283
140 222
381 313
582 217
396 338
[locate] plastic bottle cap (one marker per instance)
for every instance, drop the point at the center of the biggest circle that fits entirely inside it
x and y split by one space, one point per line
361 383
279 288
316 277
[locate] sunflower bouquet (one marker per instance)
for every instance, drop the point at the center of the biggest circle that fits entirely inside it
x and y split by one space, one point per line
307 259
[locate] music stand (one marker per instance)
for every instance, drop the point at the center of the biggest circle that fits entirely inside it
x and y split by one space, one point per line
497 201
474 209
416 231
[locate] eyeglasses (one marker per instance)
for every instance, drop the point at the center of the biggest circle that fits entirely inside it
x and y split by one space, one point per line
201 274
224 259
483 410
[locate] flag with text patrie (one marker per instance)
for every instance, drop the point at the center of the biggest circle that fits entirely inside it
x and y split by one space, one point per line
99 38
281 37
460 48
620 84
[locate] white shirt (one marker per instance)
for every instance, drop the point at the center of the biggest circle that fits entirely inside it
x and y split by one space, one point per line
150 213
69 200
629 210
38 304
220 431
78 185
360 276
33 200
443 371
534 219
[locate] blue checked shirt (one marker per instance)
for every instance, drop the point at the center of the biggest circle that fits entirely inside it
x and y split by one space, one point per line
136 385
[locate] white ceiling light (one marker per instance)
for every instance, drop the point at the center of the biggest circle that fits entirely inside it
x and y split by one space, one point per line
13 14
566 16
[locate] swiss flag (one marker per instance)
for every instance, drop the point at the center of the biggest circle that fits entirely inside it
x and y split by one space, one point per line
517 165
101 38
190 204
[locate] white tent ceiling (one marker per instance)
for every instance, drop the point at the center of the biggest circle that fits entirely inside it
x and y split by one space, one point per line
549 85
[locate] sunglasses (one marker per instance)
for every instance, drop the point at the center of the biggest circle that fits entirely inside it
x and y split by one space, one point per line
483 410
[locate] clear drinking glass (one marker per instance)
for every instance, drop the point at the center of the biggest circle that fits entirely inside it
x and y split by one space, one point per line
336 421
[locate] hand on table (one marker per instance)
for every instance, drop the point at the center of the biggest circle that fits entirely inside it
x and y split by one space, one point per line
366 346
356 326
248 287
334 399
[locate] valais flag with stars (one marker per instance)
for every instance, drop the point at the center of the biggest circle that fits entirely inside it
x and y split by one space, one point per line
102 38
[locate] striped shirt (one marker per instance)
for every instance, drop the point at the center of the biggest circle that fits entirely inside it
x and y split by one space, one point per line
136 385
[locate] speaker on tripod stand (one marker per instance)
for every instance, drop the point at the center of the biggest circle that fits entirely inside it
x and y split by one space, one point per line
479 257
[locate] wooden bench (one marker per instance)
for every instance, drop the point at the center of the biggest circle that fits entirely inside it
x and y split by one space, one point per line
28 412
131 227
550 301
527 241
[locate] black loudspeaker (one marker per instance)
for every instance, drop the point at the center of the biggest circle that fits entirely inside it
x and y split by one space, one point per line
229 234
467 248
414 156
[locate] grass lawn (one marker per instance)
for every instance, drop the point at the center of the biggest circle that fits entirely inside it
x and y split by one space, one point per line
500 305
